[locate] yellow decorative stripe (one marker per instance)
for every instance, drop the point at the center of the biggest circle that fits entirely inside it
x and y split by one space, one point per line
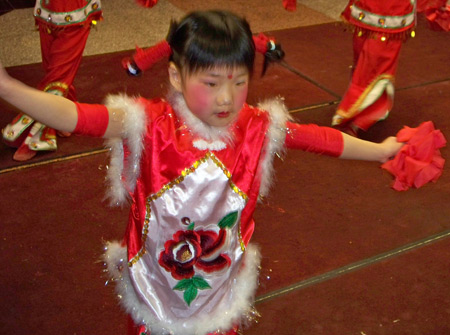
57 85
176 181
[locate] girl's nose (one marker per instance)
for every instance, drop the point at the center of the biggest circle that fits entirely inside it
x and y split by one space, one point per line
225 96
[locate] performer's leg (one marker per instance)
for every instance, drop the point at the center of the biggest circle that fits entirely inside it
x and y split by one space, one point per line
62 51
380 60
358 45
370 94
15 133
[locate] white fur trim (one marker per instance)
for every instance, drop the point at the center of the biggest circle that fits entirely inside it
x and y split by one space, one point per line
240 311
121 176
276 136
203 145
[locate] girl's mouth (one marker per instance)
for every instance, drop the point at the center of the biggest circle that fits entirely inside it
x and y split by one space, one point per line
224 114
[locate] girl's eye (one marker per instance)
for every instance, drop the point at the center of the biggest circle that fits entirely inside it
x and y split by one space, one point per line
240 83
210 84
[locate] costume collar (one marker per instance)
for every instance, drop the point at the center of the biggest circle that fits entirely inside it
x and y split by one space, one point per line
205 137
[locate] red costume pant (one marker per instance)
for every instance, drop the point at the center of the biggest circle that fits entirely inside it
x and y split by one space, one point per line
62 50
370 95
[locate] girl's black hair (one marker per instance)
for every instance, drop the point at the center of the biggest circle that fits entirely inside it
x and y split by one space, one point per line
206 39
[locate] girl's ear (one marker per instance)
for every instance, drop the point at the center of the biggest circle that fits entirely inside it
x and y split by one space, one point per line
175 77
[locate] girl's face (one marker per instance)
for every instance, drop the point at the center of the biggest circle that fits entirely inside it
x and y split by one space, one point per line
215 95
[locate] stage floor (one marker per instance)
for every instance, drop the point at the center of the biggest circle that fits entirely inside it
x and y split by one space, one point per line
343 253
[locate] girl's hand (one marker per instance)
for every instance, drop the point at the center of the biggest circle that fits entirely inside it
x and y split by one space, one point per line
390 148
355 148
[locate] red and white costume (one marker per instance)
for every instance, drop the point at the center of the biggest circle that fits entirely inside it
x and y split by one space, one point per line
186 265
64 27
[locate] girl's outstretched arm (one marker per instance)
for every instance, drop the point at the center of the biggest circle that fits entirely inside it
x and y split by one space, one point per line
355 148
52 110
330 141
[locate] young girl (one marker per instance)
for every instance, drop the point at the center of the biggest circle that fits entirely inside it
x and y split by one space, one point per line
193 167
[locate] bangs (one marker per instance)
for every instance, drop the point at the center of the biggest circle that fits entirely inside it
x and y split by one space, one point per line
218 52
212 39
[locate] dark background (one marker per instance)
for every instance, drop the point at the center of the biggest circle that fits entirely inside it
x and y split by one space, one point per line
8 5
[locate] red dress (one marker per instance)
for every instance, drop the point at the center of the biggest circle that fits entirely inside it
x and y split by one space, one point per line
186 264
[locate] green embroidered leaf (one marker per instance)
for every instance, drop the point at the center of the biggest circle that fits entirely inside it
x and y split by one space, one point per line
183 284
191 226
228 220
200 283
190 294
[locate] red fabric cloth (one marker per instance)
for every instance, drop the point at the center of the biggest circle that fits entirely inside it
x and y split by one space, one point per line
92 120
290 5
439 18
437 13
141 330
261 41
147 3
424 5
146 58
419 161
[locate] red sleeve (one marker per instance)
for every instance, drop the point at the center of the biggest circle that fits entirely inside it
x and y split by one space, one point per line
312 138
92 120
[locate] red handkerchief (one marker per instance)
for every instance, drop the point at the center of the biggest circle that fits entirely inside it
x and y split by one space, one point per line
419 161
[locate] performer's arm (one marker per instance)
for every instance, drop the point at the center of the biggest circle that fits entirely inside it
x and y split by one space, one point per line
329 141
355 148
56 111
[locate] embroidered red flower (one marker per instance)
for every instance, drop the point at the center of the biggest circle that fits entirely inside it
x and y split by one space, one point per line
180 254
212 259
189 249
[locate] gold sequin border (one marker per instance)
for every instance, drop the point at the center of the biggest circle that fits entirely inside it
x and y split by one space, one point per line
57 85
178 180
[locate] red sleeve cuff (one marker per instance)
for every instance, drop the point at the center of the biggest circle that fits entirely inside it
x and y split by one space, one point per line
92 120
313 138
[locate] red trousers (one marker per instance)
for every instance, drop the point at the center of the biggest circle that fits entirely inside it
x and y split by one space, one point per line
62 50
369 97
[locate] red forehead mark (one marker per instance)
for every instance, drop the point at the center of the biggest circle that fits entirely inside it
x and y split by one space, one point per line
230 76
